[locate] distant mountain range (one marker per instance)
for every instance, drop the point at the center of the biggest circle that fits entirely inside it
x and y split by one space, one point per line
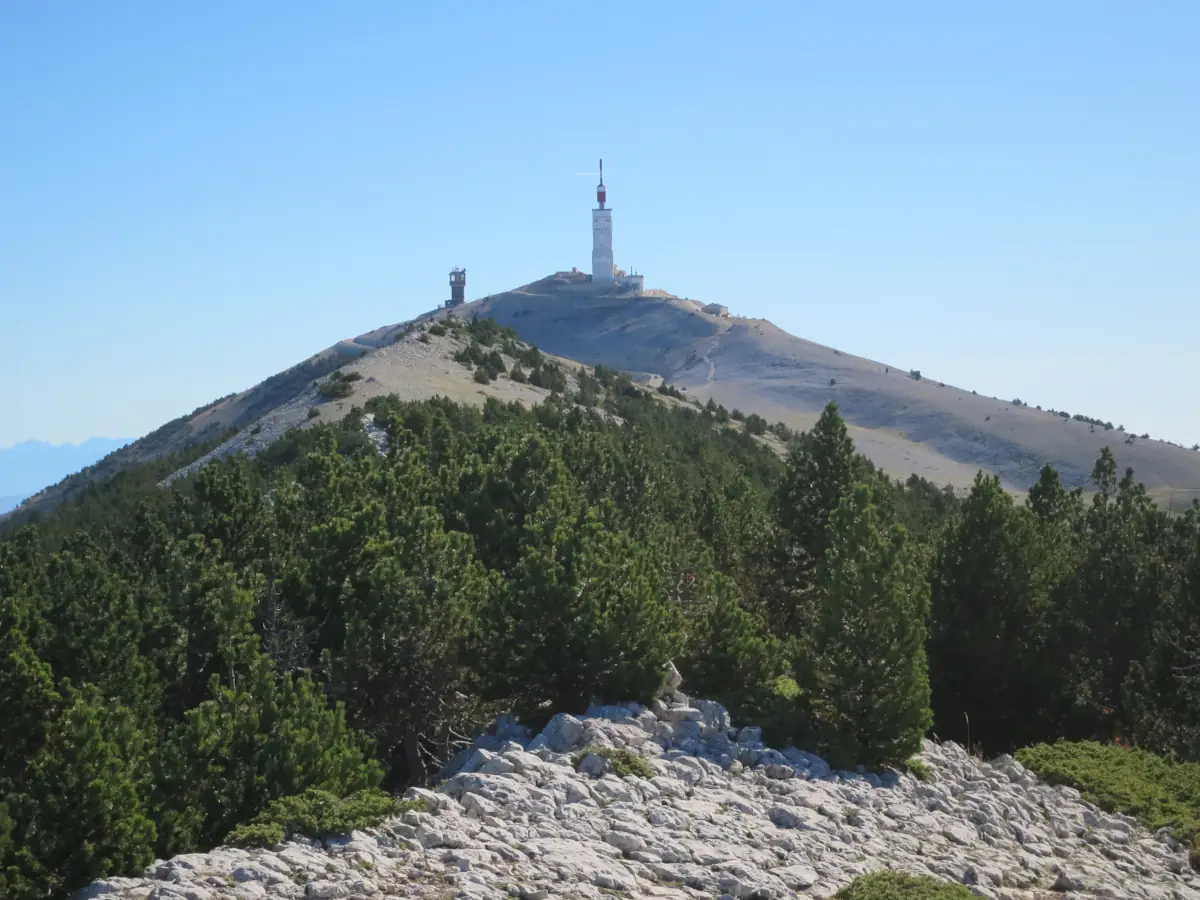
29 466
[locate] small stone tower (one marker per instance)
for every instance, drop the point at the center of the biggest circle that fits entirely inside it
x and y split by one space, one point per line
458 287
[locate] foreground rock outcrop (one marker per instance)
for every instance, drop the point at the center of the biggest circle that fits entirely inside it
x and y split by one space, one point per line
719 815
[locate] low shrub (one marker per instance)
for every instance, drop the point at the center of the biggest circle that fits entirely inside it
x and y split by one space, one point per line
669 390
777 708
315 814
483 376
1156 791
782 431
899 886
338 385
589 389
549 376
437 329
919 769
621 761
488 332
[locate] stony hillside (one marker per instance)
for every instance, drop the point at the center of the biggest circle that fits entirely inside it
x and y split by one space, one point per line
414 365
903 424
939 431
390 360
672 801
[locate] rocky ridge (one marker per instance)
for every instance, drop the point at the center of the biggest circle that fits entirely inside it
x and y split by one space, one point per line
412 366
721 815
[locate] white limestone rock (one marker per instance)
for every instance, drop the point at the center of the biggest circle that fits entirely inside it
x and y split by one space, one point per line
674 679
722 815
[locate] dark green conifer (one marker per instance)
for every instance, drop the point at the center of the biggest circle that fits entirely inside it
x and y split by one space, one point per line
869 683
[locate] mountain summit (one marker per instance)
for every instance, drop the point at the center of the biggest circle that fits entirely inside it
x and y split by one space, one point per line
904 423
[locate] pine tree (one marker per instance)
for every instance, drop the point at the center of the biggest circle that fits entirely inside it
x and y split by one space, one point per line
97 629
729 652
27 696
818 473
1164 687
81 812
868 682
1050 501
990 599
29 706
1123 581
584 616
407 626
265 738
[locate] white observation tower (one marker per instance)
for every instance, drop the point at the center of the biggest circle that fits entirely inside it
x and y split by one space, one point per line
602 253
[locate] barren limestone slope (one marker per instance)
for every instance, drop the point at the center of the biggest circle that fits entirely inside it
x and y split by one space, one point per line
720 816
905 425
389 360
413 366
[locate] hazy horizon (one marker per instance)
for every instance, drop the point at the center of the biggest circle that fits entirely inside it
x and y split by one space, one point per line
28 466
79 443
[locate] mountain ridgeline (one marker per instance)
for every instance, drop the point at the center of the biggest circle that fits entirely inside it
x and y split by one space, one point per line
326 616
904 421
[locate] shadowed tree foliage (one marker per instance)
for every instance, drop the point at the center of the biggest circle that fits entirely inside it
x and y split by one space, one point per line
408 622
991 586
1124 578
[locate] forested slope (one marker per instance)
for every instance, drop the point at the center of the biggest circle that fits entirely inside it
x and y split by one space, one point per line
322 616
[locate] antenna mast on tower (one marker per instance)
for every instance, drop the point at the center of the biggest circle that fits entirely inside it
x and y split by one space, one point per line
602 255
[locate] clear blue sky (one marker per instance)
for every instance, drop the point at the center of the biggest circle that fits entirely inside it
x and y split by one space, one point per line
195 196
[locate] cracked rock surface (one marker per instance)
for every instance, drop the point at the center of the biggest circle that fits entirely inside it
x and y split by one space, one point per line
721 816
